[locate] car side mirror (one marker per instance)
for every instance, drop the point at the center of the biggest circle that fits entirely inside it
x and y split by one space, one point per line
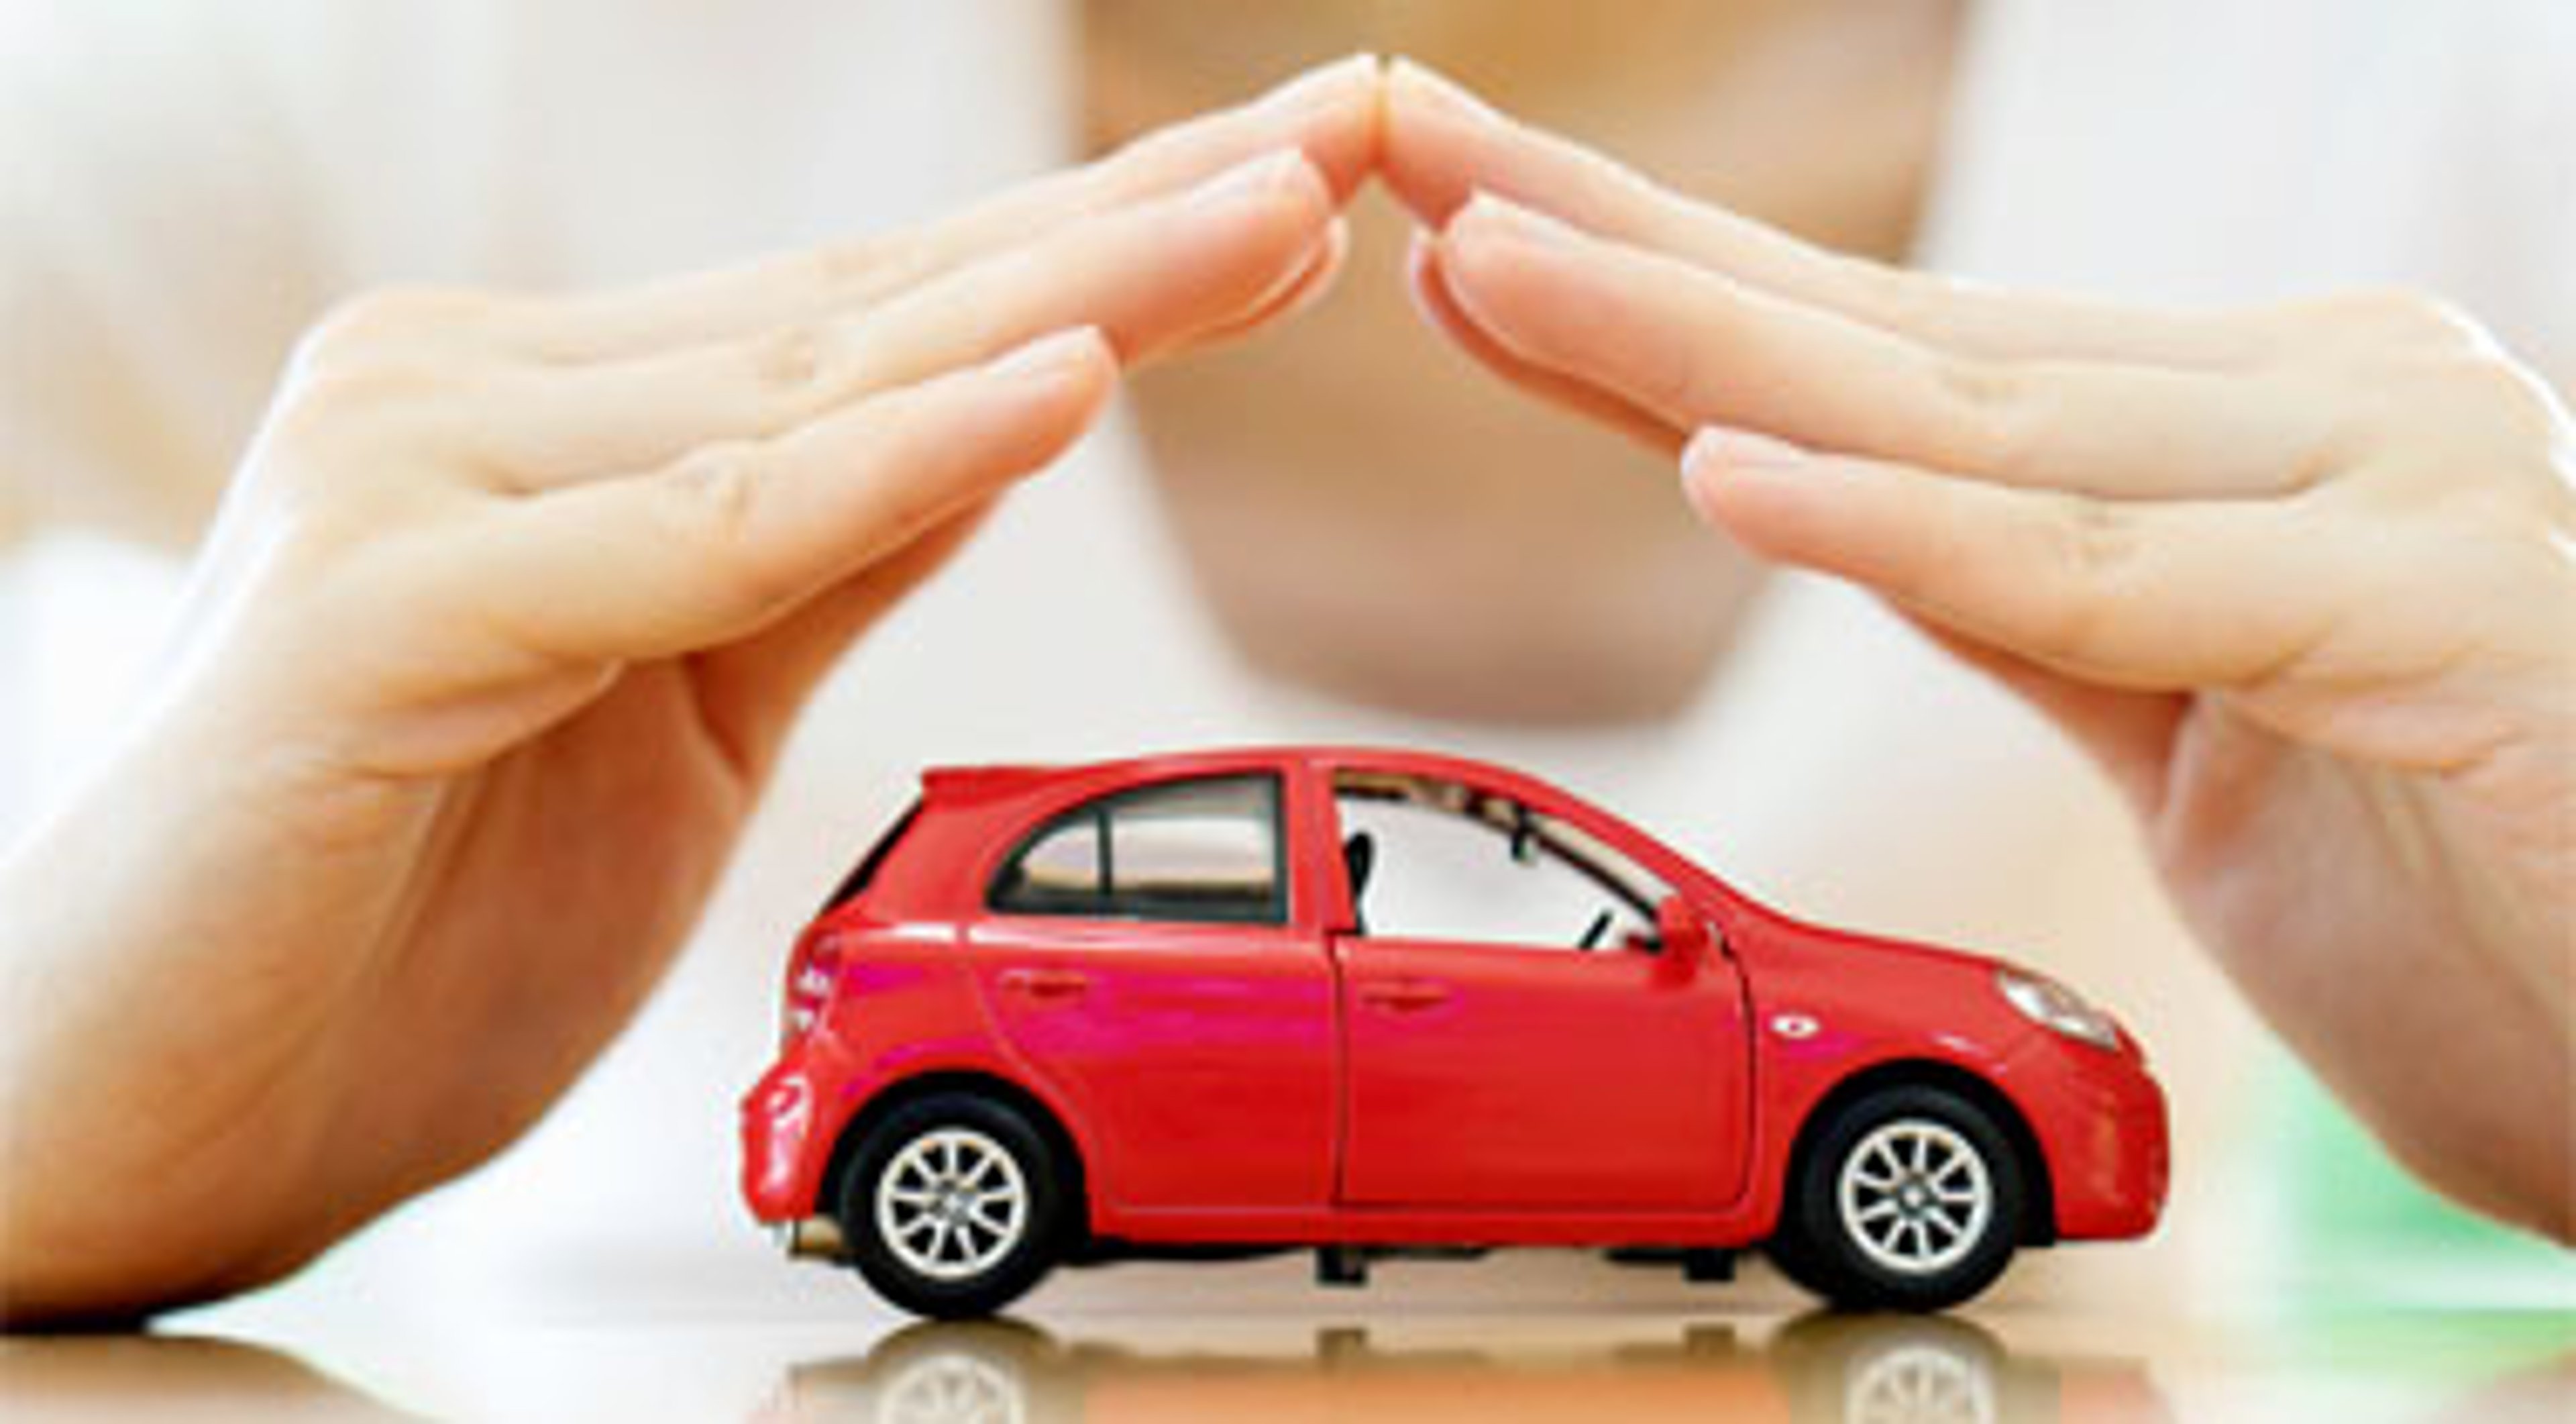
1684 935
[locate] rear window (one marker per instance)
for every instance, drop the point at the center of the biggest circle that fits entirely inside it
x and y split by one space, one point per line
857 881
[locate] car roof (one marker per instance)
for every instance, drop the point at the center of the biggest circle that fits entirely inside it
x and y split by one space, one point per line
978 782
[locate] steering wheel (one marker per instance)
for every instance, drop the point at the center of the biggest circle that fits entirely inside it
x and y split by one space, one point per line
1592 932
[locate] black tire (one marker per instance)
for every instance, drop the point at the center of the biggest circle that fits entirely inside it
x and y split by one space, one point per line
1904 1248
988 1267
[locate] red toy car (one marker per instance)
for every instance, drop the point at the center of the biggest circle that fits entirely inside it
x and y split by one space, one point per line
1382 1001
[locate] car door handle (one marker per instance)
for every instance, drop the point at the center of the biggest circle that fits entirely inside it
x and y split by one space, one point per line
1047 983
1405 996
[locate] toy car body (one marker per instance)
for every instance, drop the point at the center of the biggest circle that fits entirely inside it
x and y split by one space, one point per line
1369 1001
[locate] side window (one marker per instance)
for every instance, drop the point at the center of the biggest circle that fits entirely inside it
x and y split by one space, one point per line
1439 861
1206 849
1059 871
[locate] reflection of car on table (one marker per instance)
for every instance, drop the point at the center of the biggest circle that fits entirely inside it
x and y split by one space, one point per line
1370 1001
1901 1369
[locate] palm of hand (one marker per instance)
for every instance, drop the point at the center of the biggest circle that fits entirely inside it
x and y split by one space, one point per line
541 891
2344 888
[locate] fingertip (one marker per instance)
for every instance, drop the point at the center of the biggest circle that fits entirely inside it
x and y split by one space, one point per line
1488 215
1410 79
1093 371
1234 249
1070 373
1423 123
1073 357
1436 298
1738 480
1282 176
1422 274
1323 266
1290 198
1713 448
1324 85
1350 96
1091 375
1500 266
1301 288
1335 112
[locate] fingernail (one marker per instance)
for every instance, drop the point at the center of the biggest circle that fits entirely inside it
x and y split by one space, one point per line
1049 355
1268 174
1718 445
1483 208
1438 88
1318 82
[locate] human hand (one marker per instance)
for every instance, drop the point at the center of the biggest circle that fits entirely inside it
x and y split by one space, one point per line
2302 577
488 655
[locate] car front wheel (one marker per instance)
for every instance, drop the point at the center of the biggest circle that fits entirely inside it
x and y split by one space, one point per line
953 1206
1909 1198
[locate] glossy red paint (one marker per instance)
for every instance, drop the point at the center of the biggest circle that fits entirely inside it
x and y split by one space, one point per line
1299 1082
1494 1078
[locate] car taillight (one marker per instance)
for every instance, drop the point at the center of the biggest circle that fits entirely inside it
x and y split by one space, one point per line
810 978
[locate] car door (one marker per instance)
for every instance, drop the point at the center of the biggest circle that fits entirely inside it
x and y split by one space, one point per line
1140 958
1491 1061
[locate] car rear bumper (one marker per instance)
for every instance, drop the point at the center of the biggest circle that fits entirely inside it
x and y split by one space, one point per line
2100 1120
778 1142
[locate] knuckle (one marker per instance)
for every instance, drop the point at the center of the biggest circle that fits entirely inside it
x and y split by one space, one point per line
794 361
714 497
715 491
787 360
2095 539
1992 405
865 267
1906 298
2090 551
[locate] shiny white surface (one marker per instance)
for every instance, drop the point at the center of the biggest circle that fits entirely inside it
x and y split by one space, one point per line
1535 1336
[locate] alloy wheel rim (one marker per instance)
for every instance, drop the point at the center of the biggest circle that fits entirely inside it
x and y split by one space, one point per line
1915 1196
952 1204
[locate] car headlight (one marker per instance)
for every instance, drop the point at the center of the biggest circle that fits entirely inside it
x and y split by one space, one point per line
2055 1007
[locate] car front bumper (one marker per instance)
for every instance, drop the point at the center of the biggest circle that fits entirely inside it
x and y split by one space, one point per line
2100 1120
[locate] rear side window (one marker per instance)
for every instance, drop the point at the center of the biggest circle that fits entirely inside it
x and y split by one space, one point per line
858 880
1206 849
1060 871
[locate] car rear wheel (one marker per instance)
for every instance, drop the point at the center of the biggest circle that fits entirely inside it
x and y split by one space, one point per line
1909 1198
954 1206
